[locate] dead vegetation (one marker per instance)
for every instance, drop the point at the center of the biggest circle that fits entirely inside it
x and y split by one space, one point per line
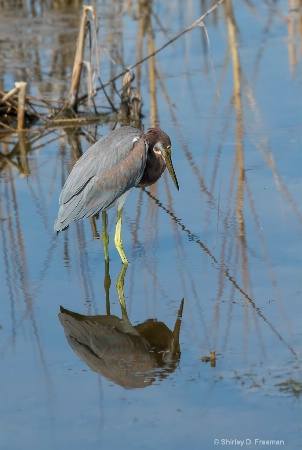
20 111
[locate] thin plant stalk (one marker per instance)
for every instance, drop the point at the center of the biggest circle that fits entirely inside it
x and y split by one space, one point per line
21 86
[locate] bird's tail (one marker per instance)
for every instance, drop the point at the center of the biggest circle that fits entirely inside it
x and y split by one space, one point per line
59 226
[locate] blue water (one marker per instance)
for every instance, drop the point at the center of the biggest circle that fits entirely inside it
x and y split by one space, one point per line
238 269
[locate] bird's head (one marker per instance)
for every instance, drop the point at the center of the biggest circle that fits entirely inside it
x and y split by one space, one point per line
160 142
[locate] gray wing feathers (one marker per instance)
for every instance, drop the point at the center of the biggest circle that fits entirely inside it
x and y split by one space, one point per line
110 167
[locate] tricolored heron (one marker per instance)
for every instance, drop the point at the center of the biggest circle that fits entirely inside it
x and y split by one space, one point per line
108 170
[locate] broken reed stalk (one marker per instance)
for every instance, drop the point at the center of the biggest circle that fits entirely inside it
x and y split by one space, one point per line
24 166
78 63
21 86
9 95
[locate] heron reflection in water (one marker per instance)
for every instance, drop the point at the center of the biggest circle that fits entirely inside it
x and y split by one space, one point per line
106 173
130 356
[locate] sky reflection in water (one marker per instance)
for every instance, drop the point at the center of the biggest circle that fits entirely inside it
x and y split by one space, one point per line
229 242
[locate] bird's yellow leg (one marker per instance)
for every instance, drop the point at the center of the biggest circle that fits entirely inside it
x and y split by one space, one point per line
118 237
105 236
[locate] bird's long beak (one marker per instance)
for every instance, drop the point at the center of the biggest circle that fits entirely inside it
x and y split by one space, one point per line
170 166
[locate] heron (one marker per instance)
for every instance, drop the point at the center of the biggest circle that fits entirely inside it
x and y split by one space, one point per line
106 173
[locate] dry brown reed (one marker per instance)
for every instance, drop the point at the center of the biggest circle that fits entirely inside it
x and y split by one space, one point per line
55 113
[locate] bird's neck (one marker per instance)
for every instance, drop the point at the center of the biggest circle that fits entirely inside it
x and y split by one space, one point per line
155 166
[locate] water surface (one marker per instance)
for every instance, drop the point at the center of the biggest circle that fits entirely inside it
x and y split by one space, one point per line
228 243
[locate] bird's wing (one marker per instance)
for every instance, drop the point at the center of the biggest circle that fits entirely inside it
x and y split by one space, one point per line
109 168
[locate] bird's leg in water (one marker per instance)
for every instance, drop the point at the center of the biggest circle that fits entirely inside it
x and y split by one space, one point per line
107 284
105 236
118 236
105 239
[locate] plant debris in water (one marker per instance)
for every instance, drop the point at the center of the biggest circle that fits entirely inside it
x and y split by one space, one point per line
291 386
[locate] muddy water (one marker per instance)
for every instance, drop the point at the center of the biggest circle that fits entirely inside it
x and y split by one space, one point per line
137 367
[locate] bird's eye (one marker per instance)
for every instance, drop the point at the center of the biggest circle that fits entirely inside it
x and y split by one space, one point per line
169 147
